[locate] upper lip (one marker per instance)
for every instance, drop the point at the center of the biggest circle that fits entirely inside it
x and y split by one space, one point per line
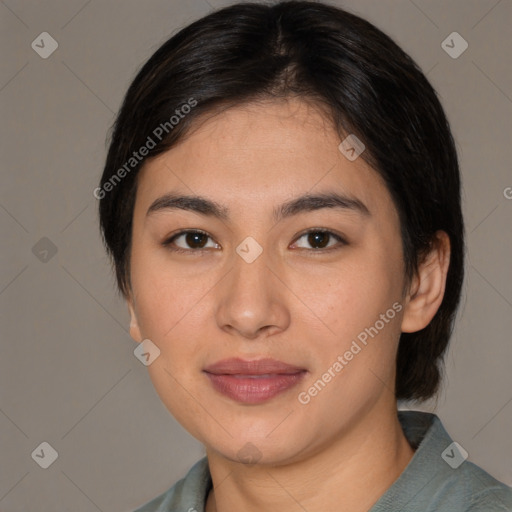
237 366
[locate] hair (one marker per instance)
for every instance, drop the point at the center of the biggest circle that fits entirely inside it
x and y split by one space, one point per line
364 82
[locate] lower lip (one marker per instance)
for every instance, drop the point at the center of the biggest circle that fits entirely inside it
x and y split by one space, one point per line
254 390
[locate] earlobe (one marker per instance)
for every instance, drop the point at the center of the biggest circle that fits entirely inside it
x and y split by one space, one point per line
134 324
427 288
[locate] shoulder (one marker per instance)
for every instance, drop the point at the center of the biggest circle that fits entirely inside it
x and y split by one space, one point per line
439 478
485 493
468 488
189 493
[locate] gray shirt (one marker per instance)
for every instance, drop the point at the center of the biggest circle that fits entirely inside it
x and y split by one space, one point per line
437 478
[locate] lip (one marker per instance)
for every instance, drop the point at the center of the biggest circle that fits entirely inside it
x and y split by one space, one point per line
254 381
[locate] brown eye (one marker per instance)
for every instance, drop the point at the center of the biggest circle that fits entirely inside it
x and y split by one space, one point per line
195 240
189 241
320 239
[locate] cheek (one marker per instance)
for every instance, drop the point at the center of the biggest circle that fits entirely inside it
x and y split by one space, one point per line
351 297
355 360
166 296
171 314
360 311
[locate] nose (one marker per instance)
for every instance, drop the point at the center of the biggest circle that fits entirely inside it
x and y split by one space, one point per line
251 300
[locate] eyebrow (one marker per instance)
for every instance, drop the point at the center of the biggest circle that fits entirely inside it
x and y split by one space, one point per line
302 204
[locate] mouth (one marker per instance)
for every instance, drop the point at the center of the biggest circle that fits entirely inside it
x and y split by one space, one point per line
255 381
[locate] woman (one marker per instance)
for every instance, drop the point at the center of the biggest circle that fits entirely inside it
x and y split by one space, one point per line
281 199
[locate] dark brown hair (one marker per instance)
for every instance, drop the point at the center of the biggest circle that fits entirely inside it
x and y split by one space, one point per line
360 77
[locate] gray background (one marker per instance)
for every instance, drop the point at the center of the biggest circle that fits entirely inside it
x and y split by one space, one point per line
68 375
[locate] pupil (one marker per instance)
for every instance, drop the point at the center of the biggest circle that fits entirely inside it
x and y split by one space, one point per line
318 238
192 239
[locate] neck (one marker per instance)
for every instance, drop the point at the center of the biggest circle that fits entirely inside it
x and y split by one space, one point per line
350 473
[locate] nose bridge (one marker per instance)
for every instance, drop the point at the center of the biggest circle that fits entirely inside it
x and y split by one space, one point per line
250 275
250 300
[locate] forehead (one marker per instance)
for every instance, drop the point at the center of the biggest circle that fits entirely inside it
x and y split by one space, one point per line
258 155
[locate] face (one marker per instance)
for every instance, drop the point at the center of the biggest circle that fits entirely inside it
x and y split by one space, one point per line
222 287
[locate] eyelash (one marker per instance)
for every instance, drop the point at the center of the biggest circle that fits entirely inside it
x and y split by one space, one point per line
168 242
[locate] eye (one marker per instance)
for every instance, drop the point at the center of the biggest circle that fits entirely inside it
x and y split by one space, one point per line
194 241
320 238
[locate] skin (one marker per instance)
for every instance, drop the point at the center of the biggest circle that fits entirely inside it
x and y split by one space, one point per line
294 303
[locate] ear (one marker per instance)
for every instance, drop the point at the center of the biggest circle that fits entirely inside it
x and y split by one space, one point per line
427 287
134 323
